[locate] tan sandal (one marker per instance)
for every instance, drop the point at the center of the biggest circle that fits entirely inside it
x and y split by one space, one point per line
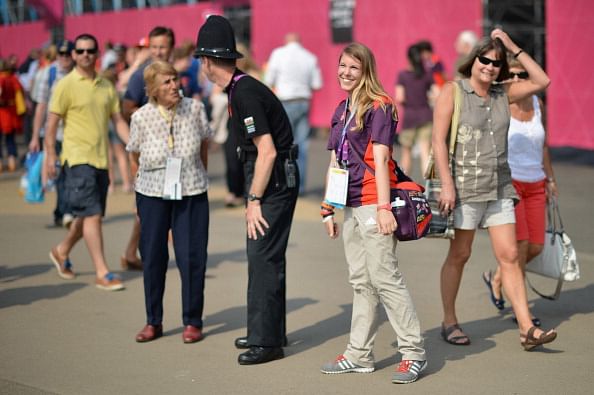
530 342
131 265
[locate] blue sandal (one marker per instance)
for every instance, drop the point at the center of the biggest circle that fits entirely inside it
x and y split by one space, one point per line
498 303
535 321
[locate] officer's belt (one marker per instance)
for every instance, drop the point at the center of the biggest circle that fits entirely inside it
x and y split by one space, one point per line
252 154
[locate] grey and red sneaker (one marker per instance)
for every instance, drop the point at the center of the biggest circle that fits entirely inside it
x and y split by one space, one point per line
408 371
343 365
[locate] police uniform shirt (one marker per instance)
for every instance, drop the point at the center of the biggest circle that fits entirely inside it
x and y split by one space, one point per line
256 111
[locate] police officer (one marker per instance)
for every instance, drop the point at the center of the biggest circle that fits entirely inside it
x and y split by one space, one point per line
272 183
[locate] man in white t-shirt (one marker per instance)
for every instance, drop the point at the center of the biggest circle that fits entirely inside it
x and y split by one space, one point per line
293 73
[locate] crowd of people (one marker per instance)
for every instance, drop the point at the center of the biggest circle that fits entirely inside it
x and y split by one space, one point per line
155 108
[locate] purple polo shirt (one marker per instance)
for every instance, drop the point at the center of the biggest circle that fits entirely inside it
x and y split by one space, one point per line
378 127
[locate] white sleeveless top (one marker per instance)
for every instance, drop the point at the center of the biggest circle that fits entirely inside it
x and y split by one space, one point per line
525 145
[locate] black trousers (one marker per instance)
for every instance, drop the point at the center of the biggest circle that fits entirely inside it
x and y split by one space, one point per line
188 219
266 296
234 168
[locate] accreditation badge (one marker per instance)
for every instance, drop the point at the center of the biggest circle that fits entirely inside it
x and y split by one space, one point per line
172 188
337 188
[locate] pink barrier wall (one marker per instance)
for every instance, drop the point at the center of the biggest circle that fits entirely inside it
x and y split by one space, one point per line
387 29
570 40
128 26
20 39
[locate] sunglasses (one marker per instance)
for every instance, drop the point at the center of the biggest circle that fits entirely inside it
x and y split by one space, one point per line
523 75
90 51
64 53
486 61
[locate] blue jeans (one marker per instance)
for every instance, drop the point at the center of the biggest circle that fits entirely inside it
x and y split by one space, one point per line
298 113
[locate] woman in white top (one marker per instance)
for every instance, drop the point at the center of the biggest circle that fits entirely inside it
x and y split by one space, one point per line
533 179
168 145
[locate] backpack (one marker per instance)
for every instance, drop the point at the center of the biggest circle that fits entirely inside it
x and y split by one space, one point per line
53 71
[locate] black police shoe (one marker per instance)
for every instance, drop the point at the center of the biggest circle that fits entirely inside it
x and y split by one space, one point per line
242 343
256 355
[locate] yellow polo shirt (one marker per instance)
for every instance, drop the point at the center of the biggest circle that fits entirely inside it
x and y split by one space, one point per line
86 106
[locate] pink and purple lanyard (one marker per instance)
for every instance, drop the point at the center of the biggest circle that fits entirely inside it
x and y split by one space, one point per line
235 79
342 152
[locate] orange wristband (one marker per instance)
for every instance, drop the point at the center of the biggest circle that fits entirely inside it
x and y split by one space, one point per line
386 206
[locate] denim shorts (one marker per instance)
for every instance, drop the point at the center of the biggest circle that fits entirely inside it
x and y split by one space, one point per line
473 215
86 189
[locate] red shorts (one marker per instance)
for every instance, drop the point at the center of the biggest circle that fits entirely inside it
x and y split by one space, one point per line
530 212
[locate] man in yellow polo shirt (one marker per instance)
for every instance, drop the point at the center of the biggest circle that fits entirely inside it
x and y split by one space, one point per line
85 102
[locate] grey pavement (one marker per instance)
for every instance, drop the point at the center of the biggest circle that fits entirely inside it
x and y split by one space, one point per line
67 337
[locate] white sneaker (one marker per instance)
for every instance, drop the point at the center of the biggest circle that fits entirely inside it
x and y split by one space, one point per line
67 220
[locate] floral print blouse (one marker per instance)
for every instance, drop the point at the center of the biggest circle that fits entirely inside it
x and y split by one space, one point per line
149 133
480 169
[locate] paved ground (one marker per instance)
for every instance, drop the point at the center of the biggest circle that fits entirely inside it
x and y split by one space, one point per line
66 337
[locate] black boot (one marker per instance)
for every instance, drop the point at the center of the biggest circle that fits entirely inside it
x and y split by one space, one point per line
242 343
256 355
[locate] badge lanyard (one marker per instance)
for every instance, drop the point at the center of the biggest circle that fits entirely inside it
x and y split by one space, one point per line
172 188
233 82
338 178
170 120
342 152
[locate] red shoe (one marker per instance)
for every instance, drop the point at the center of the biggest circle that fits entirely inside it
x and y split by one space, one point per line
149 333
192 334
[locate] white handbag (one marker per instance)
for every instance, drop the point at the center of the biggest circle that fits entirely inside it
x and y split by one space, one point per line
558 259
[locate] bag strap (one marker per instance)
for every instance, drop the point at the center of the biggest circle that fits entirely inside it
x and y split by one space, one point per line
455 117
555 223
53 72
430 172
554 295
400 175
556 228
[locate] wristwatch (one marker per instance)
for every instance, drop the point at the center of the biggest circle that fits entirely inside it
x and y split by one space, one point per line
252 197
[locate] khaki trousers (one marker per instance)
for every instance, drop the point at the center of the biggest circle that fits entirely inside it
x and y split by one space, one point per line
375 278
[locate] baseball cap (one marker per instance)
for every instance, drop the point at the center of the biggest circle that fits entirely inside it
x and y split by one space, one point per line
65 46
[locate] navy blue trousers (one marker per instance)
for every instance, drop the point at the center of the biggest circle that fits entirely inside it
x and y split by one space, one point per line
188 219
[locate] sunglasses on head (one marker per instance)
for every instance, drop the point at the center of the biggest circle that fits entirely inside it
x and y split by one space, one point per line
521 75
90 51
486 61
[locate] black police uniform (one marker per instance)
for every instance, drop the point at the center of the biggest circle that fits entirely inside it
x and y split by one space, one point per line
256 111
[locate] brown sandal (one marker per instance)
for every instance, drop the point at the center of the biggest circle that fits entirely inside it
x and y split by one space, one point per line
530 342
131 265
455 340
